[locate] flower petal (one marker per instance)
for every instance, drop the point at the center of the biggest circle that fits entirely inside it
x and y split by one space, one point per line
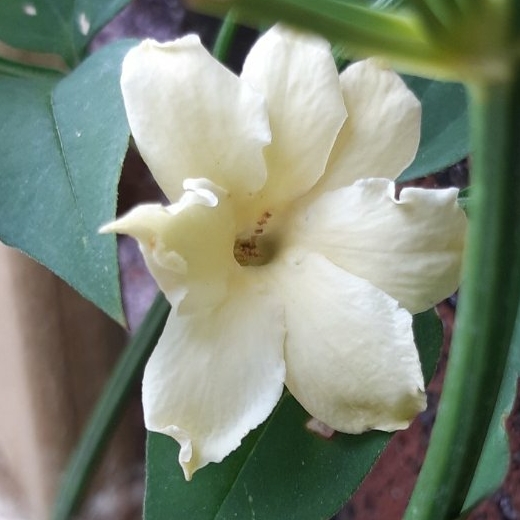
381 135
188 246
297 75
349 351
410 247
191 117
216 374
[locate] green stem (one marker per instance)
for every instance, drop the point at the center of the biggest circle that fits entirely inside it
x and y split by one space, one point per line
225 37
428 15
363 28
488 307
467 6
108 410
446 10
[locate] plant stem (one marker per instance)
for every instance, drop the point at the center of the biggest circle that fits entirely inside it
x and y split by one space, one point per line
225 37
488 307
361 27
446 9
466 6
108 410
428 15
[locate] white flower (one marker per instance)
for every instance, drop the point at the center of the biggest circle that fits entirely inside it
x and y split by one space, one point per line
287 257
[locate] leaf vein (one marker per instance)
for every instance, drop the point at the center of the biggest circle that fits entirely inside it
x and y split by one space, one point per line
63 156
265 426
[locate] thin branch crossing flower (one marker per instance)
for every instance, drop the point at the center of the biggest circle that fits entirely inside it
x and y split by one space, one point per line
285 253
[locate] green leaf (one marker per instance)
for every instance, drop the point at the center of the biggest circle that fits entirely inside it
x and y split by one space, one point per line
464 199
281 470
61 27
444 126
428 333
62 145
494 459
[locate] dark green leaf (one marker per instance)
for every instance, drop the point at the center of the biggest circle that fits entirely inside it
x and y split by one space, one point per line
428 333
464 199
61 27
281 470
62 145
98 13
444 128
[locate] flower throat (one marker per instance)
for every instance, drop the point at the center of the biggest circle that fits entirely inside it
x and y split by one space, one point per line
256 249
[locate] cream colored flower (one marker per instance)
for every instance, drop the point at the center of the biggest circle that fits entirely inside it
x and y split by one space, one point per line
286 256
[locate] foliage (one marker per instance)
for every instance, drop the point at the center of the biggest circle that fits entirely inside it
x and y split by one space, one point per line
63 27
63 139
444 126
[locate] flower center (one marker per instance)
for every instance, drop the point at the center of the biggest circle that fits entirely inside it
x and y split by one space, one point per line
256 249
